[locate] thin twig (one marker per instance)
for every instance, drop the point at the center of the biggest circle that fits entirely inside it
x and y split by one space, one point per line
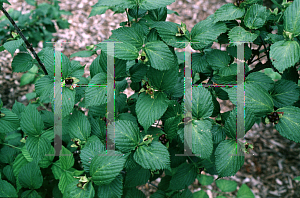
152 184
268 56
29 46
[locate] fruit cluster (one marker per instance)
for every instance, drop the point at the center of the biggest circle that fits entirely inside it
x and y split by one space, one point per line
273 117
69 81
163 139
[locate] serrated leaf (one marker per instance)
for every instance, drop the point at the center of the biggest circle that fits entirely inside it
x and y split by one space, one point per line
10 122
205 179
288 126
154 156
228 161
44 88
132 35
83 53
155 108
47 160
256 16
217 59
163 60
37 147
30 176
202 104
239 35
285 93
244 192
260 79
12 46
7 190
136 176
284 54
98 10
183 177
154 4
31 121
30 194
66 158
104 169
226 185
95 96
228 12
75 192
162 80
291 18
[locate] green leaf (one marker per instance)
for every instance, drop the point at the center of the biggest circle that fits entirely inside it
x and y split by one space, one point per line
122 50
126 135
66 158
133 193
7 190
37 147
75 192
31 121
159 14
155 108
95 96
112 190
118 3
98 10
68 101
30 176
233 52
163 60
256 98
226 185
228 162
47 57
218 133
162 80
22 62
284 54
104 169
206 32
132 35
29 77
12 46
288 126
217 59
256 16
155 156
205 179
83 53
8 154
44 88
137 72
47 160
9 174
291 18
136 176
31 194
228 12
171 126
199 63
231 122
10 122
183 177
245 192
260 79
172 11
239 35
284 93
200 194
154 4
167 31
19 162
202 105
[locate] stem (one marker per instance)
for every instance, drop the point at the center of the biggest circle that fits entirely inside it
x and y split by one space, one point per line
152 184
137 13
268 56
29 46
126 9
258 58
11 146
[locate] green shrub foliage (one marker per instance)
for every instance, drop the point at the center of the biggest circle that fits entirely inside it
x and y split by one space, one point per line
146 53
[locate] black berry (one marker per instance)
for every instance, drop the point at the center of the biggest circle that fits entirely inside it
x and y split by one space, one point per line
136 60
161 138
275 114
181 32
143 58
270 117
166 140
26 137
146 139
277 118
163 142
76 142
246 146
69 81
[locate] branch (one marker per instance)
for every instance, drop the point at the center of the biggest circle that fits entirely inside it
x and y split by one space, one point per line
29 46
152 184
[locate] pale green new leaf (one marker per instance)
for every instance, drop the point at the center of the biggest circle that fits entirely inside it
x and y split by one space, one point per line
10 122
239 35
12 46
98 10
289 126
256 16
291 19
148 110
228 160
154 156
245 192
226 185
160 56
228 12
285 93
284 54
95 96
31 121
30 176
202 104
37 147
104 169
